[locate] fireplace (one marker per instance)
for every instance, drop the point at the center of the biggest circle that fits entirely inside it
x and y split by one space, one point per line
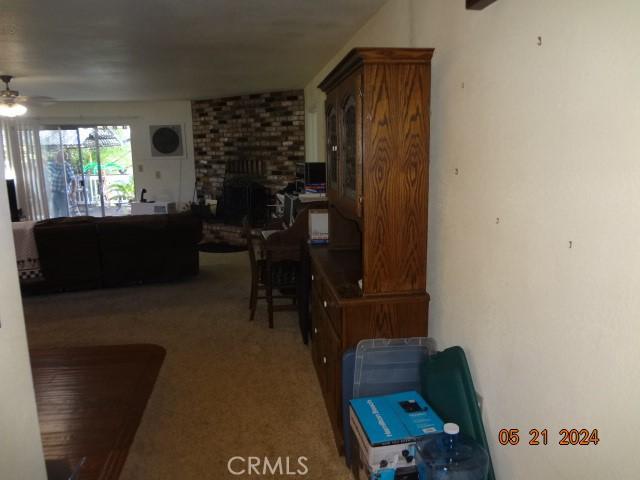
262 128
244 193
245 196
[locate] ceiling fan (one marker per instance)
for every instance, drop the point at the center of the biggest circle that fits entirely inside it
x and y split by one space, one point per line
11 102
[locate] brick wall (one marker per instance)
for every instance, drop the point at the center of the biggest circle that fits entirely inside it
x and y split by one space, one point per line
266 126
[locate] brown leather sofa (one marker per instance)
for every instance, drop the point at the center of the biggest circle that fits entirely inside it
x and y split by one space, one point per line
88 252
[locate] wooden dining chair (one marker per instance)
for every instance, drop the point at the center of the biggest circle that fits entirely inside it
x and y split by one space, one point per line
256 261
273 273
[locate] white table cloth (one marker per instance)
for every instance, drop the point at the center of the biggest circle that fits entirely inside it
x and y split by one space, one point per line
26 250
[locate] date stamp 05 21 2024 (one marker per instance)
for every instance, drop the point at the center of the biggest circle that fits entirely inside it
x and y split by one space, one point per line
567 436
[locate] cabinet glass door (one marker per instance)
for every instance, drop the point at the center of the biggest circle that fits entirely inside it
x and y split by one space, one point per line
349 147
332 147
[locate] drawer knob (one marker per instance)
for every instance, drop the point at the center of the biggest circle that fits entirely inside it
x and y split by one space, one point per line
324 360
312 277
324 304
315 330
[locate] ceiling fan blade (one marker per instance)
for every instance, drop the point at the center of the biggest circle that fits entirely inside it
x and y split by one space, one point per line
35 100
9 96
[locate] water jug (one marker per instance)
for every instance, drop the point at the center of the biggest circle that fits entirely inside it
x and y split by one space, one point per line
451 456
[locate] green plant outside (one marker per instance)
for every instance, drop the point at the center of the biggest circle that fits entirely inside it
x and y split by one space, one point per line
121 191
113 160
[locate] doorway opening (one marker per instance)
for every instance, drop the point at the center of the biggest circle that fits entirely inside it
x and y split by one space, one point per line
89 169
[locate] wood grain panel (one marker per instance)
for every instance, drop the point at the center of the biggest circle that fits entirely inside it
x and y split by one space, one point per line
344 232
90 402
385 320
358 57
396 131
334 378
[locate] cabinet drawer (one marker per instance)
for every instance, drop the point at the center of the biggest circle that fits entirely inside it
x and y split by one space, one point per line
326 352
327 301
332 309
316 283
318 331
334 378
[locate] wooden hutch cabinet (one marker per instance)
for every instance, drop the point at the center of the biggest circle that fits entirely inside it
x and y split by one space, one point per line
370 281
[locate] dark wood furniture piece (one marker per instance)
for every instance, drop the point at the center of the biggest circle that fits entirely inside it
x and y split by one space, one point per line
271 269
90 402
275 262
370 282
256 262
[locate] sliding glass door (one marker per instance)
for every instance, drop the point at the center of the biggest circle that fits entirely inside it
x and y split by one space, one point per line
88 169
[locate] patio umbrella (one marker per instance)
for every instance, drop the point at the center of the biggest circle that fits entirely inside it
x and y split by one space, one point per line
106 138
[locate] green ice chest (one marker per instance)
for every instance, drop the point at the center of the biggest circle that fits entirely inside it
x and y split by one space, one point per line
447 386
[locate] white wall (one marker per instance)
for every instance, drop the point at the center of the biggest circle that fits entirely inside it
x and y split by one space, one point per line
20 445
177 174
545 139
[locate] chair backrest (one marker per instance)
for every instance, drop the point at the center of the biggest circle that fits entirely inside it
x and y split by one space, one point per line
298 231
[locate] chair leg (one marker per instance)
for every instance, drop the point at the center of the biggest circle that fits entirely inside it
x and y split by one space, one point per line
269 295
270 306
254 294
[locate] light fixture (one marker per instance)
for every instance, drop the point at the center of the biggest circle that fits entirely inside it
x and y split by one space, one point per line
8 105
12 110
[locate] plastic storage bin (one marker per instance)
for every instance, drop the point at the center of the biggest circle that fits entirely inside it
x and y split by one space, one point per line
378 367
348 367
451 456
390 365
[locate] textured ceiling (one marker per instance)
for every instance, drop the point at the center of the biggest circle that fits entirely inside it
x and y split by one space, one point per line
171 49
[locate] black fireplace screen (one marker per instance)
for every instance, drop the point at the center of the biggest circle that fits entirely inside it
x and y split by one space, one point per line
245 196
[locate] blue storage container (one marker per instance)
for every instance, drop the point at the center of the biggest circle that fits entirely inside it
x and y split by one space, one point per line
348 367
381 366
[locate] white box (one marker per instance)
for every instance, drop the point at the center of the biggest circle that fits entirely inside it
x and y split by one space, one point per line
152 208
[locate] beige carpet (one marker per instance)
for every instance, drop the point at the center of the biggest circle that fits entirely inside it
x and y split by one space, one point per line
227 388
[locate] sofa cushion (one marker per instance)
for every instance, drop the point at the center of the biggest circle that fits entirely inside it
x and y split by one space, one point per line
88 252
184 233
133 249
69 252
